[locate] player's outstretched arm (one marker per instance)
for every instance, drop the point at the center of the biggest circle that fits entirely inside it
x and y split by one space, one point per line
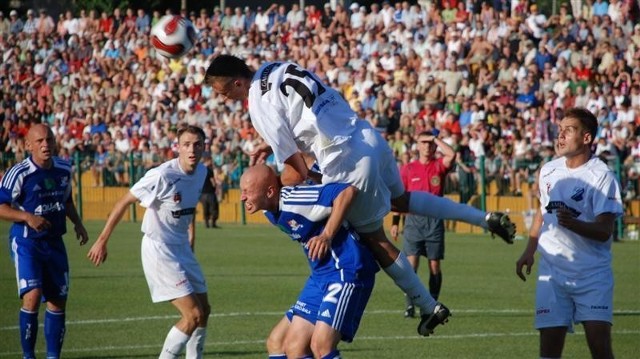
72 214
98 252
320 244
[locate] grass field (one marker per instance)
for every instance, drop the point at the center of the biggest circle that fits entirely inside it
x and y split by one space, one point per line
254 274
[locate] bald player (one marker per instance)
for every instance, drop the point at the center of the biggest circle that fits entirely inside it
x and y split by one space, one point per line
35 195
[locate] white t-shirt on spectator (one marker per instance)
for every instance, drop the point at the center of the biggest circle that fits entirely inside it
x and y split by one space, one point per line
262 21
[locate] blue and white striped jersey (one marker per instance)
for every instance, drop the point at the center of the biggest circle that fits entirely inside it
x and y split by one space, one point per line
303 213
43 192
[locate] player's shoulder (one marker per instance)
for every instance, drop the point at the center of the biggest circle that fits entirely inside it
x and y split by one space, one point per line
554 164
596 164
62 163
18 170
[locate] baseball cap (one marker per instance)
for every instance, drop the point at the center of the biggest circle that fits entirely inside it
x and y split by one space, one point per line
13 13
29 12
354 6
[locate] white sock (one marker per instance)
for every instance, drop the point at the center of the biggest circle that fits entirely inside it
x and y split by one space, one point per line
403 275
427 204
195 345
174 344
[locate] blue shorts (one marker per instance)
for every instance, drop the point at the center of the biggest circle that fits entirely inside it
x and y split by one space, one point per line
41 263
337 303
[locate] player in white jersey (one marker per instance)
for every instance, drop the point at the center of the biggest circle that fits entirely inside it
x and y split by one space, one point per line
296 113
170 194
572 230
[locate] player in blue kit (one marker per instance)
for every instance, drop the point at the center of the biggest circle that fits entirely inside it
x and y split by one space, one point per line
35 195
332 302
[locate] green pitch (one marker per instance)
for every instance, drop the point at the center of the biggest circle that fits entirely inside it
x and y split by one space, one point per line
254 273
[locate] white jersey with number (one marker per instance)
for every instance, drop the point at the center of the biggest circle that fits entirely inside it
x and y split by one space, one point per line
294 110
587 191
170 196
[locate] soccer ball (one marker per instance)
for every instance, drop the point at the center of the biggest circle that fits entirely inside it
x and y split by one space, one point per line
173 36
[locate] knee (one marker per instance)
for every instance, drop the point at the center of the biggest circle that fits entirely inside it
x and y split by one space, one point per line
275 343
294 348
321 346
31 300
195 318
206 312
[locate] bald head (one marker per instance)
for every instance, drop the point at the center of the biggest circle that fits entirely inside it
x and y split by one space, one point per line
41 144
38 130
260 189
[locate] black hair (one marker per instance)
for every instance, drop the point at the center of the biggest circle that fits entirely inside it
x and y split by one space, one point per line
227 66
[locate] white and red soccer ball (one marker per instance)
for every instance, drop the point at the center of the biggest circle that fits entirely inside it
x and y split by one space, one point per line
173 36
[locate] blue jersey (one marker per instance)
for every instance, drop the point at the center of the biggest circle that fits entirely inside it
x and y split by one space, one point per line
303 213
43 192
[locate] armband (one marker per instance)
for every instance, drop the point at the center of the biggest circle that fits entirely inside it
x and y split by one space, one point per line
395 220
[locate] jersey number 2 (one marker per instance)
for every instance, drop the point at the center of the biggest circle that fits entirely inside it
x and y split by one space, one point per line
299 87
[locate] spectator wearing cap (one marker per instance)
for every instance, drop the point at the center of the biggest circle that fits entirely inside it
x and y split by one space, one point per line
30 25
357 17
536 23
15 23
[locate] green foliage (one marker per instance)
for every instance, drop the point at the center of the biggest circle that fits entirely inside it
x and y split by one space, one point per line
254 273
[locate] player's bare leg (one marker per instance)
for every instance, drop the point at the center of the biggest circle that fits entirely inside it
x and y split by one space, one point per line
298 338
325 340
192 316
552 342
598 335
275 341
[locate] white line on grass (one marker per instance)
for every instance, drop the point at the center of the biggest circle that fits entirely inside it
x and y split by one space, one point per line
362 338
253 314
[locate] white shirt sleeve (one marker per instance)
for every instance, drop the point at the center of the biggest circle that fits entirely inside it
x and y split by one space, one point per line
608 198
146 190
274 129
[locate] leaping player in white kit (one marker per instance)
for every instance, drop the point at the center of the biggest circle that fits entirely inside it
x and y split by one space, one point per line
170 193
295 113
573 230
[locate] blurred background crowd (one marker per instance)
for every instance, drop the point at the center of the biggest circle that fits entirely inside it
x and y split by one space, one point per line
492 78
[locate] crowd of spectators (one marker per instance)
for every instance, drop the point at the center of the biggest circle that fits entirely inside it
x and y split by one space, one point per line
492 77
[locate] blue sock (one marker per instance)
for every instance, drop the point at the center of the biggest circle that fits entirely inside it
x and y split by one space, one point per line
335 354
277 356
28 332
54 332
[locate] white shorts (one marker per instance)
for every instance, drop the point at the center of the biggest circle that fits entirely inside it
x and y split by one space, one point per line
171 270
370 166
562 301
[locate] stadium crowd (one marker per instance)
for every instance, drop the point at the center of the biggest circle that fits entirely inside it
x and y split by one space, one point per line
491 77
